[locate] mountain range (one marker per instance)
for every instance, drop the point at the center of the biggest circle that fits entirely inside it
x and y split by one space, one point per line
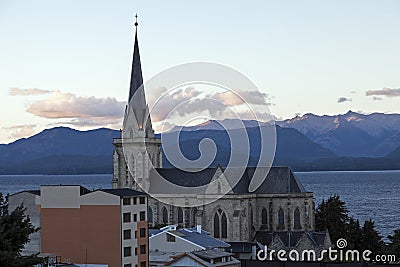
351 134
344 142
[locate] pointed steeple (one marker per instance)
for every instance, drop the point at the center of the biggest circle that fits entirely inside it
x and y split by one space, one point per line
137 99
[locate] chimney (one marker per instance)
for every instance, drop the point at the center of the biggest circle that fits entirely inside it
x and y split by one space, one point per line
198 228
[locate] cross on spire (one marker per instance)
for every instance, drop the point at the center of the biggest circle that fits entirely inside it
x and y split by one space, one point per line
136 23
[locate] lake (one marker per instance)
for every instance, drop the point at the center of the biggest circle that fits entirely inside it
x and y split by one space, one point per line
368 195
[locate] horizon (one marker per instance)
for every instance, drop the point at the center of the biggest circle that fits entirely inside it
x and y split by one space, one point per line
199 124
323 59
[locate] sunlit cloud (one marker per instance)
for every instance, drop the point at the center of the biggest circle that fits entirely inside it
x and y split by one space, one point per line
20 131
61 105
30 91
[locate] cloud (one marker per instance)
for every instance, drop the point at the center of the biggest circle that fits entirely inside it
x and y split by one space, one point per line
19 131
388 92
61 105
238 98
375 98
344 99
30 91
189 100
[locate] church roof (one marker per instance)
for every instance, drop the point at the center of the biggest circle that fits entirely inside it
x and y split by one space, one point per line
290 239
279 180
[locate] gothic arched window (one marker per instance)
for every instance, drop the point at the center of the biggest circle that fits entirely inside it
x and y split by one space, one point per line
220 224
150 215
281 219
194 211
164 215
297 224
264 216
216 226
180 215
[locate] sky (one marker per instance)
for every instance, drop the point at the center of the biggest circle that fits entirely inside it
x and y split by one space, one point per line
68 62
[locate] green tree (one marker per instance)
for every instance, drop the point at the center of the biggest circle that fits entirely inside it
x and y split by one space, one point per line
332 215
15 228
371 239
394 244
354 234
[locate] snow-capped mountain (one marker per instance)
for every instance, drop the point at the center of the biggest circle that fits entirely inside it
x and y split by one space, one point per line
351 134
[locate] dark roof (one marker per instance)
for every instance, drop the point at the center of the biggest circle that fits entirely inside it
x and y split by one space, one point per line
124 192
290 239
241 247
278 179
34 192
202 239
211 253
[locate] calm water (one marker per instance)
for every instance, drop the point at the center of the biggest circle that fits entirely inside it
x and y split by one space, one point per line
368 195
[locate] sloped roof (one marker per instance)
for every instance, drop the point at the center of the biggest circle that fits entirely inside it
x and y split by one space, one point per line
204 239
124 192
290 239
278 180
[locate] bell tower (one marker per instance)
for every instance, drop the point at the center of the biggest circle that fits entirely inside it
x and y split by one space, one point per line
137 149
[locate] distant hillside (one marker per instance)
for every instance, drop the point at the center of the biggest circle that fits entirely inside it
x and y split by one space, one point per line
291 144
63 150
351 134
60 141
395 154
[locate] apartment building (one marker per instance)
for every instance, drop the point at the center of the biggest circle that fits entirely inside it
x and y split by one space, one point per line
107 226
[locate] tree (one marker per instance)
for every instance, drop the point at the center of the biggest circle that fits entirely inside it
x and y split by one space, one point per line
394 244
332 215
371 239
354 234
15 229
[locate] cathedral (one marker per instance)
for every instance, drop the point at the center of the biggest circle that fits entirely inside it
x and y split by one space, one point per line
279 212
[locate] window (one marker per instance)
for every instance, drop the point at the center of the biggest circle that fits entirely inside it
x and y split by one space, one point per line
135 217
127 251
180 215
264 216
126 217
126 201
135 251
135 234
142 200
128 265
127 234
142 249
142 232
281 219
150 215
297 224
142 216
220 224
170 238
134 201
143 264
164 215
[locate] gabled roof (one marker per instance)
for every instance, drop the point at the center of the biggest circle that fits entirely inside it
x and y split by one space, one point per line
290 239
278 180
124 192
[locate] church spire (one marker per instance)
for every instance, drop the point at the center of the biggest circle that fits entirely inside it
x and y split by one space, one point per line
136 74
137 98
